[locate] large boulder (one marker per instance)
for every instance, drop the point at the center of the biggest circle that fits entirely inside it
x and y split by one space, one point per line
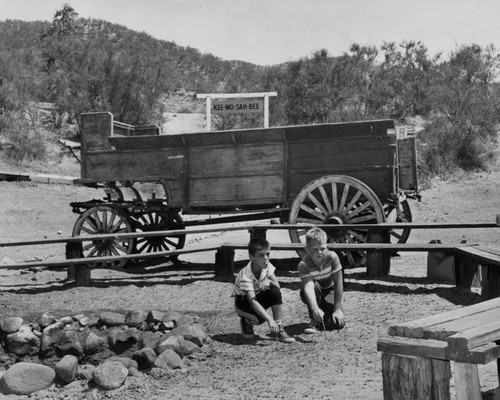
25 378
23 342
110 375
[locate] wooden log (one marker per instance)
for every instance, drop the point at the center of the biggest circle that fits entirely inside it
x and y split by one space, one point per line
78 273
378 263
415 378
224 264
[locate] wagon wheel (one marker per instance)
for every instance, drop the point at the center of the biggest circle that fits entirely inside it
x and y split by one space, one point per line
159 221
404 215
102 220
336 199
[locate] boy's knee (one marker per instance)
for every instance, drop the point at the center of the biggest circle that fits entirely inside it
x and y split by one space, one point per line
276 294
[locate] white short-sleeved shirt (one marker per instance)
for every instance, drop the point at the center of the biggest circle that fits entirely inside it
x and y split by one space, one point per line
322 274
246 280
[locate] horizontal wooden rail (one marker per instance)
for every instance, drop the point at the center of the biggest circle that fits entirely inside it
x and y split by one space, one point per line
373 227
92 260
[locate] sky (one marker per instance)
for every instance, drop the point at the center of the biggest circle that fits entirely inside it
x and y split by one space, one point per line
268 32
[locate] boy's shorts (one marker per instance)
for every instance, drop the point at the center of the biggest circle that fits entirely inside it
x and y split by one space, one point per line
266 299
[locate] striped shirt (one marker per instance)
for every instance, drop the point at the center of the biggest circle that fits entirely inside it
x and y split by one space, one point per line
322 274
246 280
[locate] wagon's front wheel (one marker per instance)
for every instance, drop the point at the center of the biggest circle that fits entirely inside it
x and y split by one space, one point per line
392 214
105 220
158 221
339 200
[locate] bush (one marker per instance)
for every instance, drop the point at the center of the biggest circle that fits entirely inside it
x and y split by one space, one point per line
21 142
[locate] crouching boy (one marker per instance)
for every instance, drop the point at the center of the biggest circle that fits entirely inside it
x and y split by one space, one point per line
256 289
322 289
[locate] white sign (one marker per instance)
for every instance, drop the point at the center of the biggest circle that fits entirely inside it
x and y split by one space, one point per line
237 106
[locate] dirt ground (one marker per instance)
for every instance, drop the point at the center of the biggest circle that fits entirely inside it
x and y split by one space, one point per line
341 365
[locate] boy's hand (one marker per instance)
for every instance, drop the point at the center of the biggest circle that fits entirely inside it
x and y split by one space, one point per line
318 315
339 318
273 326
265 284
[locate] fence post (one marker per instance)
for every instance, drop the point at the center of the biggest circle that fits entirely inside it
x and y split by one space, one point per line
224 264
378 263
79 273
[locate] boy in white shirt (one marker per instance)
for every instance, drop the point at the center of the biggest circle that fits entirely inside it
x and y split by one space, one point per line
256 289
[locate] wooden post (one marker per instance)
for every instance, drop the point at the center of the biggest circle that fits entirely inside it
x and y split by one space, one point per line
224 264
467 384
378 263
257 233
465 269
415 378
79 273
490 284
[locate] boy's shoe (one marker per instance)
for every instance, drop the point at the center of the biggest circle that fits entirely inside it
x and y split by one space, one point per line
246 329
312 328
282 336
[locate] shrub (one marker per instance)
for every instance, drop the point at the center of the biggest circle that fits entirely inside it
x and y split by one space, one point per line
21 142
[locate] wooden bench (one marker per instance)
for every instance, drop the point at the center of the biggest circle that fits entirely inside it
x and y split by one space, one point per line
419 357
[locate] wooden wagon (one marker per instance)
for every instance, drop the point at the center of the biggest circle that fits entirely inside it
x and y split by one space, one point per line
341 173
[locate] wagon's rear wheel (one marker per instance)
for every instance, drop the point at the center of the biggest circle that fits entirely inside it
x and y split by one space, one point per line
404 215
159 221
105 220
340 200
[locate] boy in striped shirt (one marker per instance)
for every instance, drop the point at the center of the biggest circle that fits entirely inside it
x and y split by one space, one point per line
322 289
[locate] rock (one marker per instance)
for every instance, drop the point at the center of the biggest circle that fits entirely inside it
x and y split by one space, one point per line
110 375
26 378
151 339
23 342
166 326
134 372
66 320
110 318
67 368
69 343
169 359
186 319
123 339
85 371
50 336
145 357
195 333
155 316
171 342
187 348
171 316
135 318
47 319
81 319
11 324
94 344
125 361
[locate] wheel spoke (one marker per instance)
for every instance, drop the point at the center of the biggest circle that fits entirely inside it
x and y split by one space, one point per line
87 230
309 221
325 199
343 199
335 200
357 235
97 221
311 211
170 242
395 234
352 203
359 209
93 252
365 218
317 203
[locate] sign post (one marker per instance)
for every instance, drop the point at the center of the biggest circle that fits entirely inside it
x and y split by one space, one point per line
233 106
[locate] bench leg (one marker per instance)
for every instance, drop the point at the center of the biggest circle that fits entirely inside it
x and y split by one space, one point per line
466 381
490 285
415 378
465 270
224 264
